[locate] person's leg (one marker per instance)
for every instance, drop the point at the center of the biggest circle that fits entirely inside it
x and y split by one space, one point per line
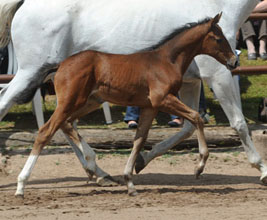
3 60
176 121
202 100
132 116
174 117
263 40
248 33
251 49
203 106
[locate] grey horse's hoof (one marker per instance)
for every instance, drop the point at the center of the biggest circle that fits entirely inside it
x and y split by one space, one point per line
139 164
264 179
106 181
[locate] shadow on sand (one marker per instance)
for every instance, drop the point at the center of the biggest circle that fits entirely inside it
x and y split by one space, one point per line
166 181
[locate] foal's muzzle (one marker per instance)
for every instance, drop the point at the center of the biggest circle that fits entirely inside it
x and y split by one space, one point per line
232 63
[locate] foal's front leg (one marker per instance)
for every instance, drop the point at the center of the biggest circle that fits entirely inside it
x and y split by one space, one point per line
189 97
83 151
146 117
174 106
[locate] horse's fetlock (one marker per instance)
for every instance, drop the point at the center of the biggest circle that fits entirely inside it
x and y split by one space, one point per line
90 173
204 154
22 179
127 177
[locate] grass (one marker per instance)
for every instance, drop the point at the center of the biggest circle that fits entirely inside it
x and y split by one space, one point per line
252 89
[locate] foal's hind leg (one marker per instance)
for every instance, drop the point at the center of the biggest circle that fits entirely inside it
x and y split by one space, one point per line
146 117
84 152
46 132
66 106
174 106
86 156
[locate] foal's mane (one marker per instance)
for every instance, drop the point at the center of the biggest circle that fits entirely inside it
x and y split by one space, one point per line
176 32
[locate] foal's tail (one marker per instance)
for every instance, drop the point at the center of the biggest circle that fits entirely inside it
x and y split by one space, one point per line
8 9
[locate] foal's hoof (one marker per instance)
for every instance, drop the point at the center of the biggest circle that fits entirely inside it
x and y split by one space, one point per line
198 171
19 195
132 192
106 181
140 163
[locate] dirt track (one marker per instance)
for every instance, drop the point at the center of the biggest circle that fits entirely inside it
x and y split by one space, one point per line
58 189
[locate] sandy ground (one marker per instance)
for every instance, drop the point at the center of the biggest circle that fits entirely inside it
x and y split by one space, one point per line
58 189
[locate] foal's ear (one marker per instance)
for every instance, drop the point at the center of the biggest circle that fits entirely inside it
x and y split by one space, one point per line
216 19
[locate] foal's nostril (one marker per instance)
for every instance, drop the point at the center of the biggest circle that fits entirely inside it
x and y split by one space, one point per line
232 63
236 64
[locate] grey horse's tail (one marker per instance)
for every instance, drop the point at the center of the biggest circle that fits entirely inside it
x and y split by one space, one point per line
8 9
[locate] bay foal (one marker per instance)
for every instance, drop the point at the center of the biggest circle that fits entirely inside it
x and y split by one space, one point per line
149 79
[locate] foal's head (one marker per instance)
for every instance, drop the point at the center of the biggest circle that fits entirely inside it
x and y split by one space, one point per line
216 45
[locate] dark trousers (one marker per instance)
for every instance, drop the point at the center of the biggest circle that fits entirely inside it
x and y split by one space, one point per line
248 29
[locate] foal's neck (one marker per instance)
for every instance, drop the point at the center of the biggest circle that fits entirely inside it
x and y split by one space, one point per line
185 46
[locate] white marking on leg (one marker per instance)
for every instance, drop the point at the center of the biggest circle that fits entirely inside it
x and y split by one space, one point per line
25 174
128 171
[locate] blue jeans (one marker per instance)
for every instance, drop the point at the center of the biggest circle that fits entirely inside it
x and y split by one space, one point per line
132 114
